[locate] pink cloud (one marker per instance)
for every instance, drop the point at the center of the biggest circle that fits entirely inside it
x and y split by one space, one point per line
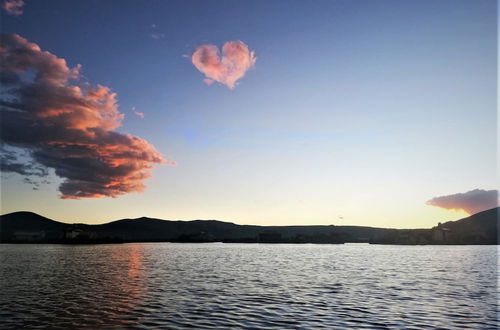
69 128
13 7
138 113
472 202
227 69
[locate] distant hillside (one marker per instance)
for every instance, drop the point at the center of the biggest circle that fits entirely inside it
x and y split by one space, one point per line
480 228
29 222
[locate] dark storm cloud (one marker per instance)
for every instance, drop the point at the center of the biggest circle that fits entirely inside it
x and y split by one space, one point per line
68 127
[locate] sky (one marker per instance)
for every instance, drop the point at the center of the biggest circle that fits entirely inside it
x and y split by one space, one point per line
375 113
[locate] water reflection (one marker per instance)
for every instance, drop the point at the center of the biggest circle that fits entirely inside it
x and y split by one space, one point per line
72 285
124 285
247 286
135 261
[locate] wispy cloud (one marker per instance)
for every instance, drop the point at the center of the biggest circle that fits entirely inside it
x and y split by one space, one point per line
236 59
138 113
472 202
9 163
208 81
67 127
155 34
13 7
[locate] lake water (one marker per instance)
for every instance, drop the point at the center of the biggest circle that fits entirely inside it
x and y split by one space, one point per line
248 286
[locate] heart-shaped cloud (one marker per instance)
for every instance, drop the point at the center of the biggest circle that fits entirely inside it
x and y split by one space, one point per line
227 69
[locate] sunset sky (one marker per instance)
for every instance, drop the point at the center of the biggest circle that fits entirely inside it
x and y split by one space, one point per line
378 113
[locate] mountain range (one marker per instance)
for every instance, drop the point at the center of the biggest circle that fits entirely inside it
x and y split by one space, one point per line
28 227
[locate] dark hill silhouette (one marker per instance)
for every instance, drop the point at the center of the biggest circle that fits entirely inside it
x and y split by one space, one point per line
480 228
485 220
29 222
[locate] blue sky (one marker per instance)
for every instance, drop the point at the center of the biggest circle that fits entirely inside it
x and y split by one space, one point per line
360 110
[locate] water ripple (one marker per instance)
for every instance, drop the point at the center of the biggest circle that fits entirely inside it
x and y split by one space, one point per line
248 286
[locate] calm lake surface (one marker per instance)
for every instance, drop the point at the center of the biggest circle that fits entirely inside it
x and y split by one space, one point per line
248 286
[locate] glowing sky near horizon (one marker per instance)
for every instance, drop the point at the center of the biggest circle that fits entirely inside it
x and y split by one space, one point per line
337 112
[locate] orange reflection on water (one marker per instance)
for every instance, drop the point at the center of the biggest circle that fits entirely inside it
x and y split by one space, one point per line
135 261
125 286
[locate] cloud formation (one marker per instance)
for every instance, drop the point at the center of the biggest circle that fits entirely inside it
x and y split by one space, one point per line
67 127
227 69
138 113
13 7
472 202
9 163
157 35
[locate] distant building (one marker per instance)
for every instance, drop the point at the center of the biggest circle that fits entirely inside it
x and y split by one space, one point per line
270 237
441 234
74 233
197 237
29 236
